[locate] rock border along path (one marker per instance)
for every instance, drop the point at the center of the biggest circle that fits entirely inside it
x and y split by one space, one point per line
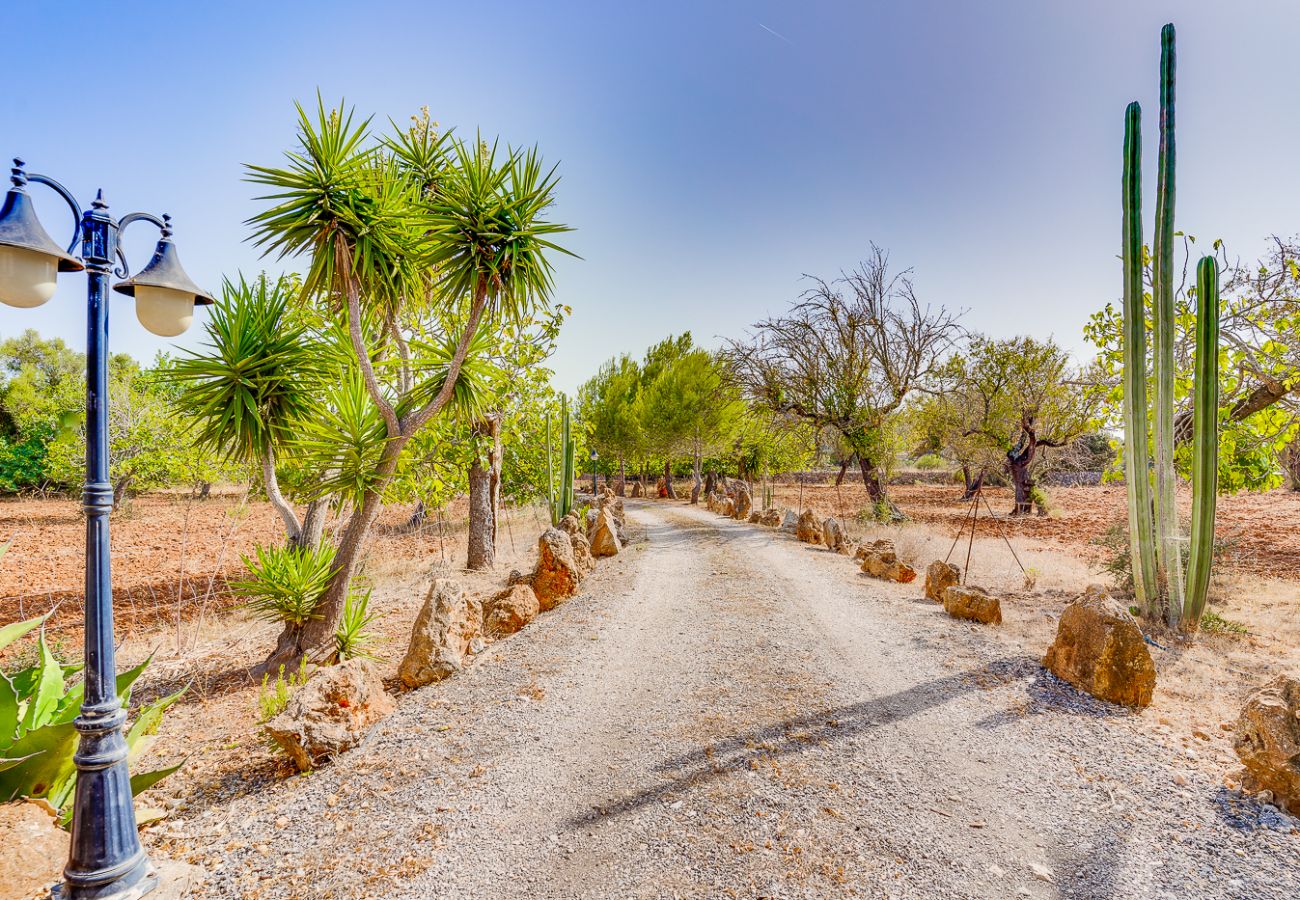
725 712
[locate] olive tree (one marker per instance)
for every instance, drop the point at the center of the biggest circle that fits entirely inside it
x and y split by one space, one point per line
846 356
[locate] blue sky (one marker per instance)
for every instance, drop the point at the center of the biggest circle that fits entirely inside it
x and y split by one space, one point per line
711 152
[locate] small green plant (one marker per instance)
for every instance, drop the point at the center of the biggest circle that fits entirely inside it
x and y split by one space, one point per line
1213 623
1118 559
353 639
769 496
286 583
273 696
560 496
38 705
1042 502
930 461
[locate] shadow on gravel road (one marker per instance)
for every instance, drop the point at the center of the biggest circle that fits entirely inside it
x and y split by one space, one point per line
796 735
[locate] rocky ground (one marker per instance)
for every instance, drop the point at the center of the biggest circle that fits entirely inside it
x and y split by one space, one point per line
723 712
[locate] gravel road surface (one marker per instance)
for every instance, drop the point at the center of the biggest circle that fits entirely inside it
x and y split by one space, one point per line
724 712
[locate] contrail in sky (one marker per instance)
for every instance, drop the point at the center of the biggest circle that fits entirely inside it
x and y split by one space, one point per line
774 33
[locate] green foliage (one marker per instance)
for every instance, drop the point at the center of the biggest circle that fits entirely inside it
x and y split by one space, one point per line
285 583
560 494
273 696
930 461
1213 623
352 638
37 736
259 373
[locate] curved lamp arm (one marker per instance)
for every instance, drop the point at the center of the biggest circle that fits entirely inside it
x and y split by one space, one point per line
71 201
164 225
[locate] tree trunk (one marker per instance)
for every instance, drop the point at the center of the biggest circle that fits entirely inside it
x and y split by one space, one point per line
621 488
482 538
668 480
698 481
973 482
313 526
1291 462
271 483
877 491
844 468
710 483
1022 483
119 489
297 640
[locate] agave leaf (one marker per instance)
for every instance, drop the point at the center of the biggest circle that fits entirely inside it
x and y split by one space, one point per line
142 781
8 762
147 722
46 693
9 712
15 630
49 762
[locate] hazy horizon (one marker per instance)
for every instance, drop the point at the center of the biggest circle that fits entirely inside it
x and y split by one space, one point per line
709 154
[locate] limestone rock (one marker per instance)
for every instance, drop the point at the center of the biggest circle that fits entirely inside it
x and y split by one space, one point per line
1268 740
880 560
510 610
770 518
790 521
727 507
443 635
604 535
939 577
755 517
1099 649
971 603
35 849
615 506
569 524
638 489
808 530
582 555
744 503
332 712
557 575
833 535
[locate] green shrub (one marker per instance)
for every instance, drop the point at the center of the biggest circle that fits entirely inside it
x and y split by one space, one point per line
273 696
352 639
931 461
37 735
286 583
1213 623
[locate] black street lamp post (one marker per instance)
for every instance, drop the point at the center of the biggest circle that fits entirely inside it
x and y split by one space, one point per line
106 859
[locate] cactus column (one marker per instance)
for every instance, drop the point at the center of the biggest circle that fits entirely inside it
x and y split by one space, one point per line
1169 561
1137 459
1205 439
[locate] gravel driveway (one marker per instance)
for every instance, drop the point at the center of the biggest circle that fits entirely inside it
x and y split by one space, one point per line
724 712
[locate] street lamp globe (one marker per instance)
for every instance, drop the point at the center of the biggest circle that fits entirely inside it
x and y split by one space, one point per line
165 296
29 258
26 277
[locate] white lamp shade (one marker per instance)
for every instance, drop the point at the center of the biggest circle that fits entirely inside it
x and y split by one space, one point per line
164 311
26 276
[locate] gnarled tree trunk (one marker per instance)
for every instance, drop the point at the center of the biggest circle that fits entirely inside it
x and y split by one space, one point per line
668 480
484 481
974 480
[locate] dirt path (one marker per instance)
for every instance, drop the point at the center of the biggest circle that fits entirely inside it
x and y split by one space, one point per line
726 713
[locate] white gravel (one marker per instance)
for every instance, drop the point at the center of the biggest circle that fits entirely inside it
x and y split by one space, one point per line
724 712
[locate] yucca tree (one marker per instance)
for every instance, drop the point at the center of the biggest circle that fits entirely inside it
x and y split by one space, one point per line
258 376
411 242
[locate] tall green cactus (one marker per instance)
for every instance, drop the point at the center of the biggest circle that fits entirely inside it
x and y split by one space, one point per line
1137 458
1205 439
560 496
1168 539
1155 539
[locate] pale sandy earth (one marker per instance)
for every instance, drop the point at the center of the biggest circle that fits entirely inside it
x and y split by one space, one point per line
724 712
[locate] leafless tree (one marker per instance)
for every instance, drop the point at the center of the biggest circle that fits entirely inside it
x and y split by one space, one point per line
846 356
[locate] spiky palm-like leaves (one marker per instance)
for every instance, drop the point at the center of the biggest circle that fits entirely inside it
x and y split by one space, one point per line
256 375
414 235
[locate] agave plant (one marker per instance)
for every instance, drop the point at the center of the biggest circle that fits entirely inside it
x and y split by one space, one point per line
285 583
38 706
